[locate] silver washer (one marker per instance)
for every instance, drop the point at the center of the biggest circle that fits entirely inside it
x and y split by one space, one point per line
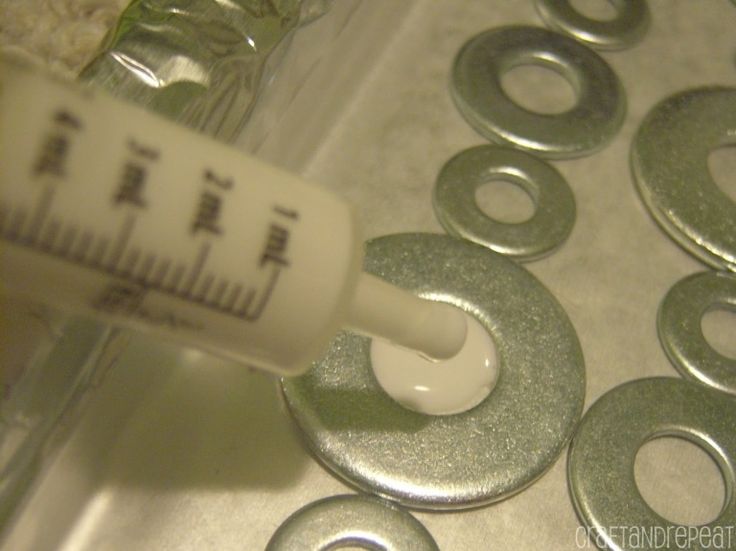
477 91
602 454
351 520
454 461
458 212
669 157
626 29
681 335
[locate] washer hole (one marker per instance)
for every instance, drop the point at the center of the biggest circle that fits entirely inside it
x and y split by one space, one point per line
598 10
443 387
539 89
505 201
722 166
719 329
680 481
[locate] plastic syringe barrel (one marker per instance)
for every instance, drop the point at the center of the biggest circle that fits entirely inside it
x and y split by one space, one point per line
110 211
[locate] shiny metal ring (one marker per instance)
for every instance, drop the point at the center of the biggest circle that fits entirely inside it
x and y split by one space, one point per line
626 29
352 520
452 461
669 159
477 91
681 335
603 451
458 212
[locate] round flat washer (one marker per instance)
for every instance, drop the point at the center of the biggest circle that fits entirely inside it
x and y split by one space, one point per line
458 212
626 29
353 520
477 91
669 159
456 461
681 335
602 454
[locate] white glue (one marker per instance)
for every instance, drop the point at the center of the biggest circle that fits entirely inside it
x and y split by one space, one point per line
110 211
440 387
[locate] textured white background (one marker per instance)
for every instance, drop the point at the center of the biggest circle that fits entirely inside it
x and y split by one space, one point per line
60 34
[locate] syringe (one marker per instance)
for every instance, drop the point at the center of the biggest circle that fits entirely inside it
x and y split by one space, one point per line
110 211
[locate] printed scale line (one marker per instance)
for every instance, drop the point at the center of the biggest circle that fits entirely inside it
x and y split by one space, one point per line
83 248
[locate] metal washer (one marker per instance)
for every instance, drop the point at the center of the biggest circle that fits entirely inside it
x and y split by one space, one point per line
477 91
458 212
455 461
626 29
669 159
603 451
681 335
351 520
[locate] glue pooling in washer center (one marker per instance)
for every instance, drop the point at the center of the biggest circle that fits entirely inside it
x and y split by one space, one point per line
110 211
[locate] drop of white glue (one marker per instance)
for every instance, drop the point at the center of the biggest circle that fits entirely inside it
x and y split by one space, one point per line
439 387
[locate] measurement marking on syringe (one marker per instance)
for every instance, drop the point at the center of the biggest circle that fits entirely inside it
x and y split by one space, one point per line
50 233
146 267
99 253
245 311
234 294
67 238
83 246
130 261
40 213
122 242
175 278
201 296
219 291
16 223
3 217
160 274
246 302
118 257
196 270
